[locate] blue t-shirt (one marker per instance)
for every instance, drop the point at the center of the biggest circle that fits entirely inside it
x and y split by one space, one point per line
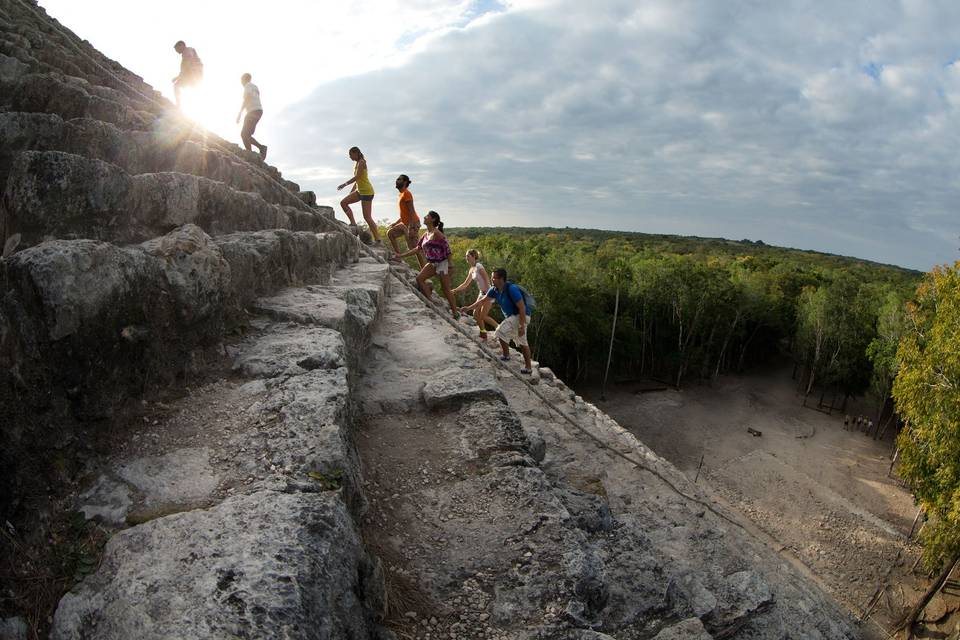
508 299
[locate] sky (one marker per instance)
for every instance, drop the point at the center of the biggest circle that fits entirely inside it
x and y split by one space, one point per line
832 126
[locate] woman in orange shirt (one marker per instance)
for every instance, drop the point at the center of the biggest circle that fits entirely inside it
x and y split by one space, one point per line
408 225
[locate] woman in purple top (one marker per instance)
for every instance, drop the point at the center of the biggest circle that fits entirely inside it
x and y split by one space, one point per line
433 245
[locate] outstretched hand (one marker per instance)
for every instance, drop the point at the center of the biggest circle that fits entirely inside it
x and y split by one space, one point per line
238 119
341 187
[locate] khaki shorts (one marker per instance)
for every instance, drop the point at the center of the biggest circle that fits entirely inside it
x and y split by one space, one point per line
413 233
509 330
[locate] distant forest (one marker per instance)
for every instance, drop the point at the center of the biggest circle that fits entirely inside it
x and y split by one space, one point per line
692 308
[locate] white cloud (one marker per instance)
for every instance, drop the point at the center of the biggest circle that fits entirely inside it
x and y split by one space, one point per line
823 125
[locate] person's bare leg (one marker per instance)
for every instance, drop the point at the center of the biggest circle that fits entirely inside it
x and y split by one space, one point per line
505 348
351 198
526 356
176 93
367 207
447 291
411 243
395 232
423 280
485 307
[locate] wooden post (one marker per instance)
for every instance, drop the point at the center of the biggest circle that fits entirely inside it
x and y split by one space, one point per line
916 519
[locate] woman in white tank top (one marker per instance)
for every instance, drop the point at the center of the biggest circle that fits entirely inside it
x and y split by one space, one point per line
478 274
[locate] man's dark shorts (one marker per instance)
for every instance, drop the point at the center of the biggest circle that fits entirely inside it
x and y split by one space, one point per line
190 79
250 123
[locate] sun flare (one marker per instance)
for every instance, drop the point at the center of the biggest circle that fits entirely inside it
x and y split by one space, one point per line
208 109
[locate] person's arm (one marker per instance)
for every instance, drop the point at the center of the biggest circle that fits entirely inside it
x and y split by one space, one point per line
360 169
490 296
522 310
408 253
466 283
411 251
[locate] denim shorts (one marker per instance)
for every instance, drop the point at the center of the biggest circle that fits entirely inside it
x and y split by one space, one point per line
364 198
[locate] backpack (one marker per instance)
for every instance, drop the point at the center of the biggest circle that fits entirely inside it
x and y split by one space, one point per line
528 300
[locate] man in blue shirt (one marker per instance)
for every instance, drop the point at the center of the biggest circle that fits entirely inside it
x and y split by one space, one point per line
515 316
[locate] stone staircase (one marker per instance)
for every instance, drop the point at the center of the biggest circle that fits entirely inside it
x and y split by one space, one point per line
137 248
243 493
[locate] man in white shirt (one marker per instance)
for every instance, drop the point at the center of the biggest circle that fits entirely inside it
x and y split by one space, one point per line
251 104
191 69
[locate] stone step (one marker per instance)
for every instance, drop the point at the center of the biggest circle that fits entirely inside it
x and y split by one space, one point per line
51 194
69 97
263 565
28 33
349 304
278 482
86 324
173 145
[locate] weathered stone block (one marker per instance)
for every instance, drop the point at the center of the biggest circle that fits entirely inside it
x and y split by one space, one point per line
450 388
261 565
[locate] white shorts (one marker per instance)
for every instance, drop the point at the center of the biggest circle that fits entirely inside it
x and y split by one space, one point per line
508 330
442 267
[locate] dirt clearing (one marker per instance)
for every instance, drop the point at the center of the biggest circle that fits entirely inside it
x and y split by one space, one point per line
822 493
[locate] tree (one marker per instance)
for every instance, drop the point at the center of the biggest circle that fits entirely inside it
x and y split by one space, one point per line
927 396
619 273
882 351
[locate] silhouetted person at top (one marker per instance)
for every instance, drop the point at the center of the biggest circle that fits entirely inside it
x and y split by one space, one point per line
251 104
191 69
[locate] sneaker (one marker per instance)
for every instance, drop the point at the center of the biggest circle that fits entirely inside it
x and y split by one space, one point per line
502 357
526 372
263 152
483 336
353 229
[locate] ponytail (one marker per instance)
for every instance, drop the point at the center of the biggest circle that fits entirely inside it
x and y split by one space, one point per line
436 220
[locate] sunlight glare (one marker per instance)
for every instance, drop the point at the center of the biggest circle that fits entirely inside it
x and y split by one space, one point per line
210 109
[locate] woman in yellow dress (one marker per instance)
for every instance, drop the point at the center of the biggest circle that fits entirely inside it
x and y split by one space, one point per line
361 192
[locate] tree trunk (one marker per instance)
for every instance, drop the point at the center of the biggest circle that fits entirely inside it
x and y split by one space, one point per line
890 418
813 375
911 619
896 456
883 406
613 330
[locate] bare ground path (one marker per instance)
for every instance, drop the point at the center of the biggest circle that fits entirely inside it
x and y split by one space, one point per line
822 493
